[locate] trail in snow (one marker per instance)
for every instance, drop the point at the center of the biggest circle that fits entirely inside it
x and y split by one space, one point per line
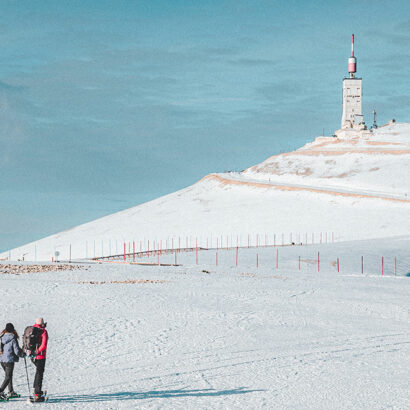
333 190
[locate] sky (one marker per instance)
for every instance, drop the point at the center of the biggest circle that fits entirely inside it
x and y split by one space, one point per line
108 104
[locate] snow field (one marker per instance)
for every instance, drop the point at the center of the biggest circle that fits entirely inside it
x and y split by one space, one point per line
357 188
235 337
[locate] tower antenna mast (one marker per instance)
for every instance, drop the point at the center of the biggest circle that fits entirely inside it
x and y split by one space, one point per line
352 61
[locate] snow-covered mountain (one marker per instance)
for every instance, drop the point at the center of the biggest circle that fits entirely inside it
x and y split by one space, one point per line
353 187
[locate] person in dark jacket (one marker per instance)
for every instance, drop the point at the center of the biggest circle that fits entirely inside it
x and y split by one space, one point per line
11 352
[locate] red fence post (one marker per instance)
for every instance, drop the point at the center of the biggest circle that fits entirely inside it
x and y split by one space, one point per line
125 249
175 257
237 255
318 261
337 264
257 260
216 258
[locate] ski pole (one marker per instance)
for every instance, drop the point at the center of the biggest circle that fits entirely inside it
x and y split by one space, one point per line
28 383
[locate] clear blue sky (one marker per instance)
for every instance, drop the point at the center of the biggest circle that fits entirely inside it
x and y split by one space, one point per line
108 104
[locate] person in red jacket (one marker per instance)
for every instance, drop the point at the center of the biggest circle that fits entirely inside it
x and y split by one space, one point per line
40 359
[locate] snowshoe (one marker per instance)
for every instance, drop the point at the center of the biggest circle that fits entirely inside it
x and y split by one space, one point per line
39 398
13 395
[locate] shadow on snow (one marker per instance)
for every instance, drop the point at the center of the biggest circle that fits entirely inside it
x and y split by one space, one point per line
158 394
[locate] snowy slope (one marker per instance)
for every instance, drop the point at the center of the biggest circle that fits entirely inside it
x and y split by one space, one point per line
223 337
355 188
376 164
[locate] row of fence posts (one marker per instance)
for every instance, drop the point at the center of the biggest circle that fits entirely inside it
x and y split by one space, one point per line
145 246
327 237
175 251
157 249
318 262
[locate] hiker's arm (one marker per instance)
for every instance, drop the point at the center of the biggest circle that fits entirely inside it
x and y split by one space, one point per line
44 338
16 349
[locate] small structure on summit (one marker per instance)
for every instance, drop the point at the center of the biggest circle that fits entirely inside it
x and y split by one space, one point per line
352 116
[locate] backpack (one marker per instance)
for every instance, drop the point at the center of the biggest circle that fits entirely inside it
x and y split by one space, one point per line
32 338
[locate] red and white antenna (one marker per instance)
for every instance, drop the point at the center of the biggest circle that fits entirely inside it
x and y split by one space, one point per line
352 45
352 61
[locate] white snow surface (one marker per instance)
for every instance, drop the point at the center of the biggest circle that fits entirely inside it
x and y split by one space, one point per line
351 188
220 334
225 336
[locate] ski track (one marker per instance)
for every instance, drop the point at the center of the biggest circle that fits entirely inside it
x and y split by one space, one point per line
269 339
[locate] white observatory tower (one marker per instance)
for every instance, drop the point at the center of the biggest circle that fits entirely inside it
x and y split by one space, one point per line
352 116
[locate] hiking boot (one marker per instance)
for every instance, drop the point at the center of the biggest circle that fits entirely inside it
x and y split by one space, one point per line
3 397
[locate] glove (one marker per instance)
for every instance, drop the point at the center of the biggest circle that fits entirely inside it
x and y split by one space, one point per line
24 354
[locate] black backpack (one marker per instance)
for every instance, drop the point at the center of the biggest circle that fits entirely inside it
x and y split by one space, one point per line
32 338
